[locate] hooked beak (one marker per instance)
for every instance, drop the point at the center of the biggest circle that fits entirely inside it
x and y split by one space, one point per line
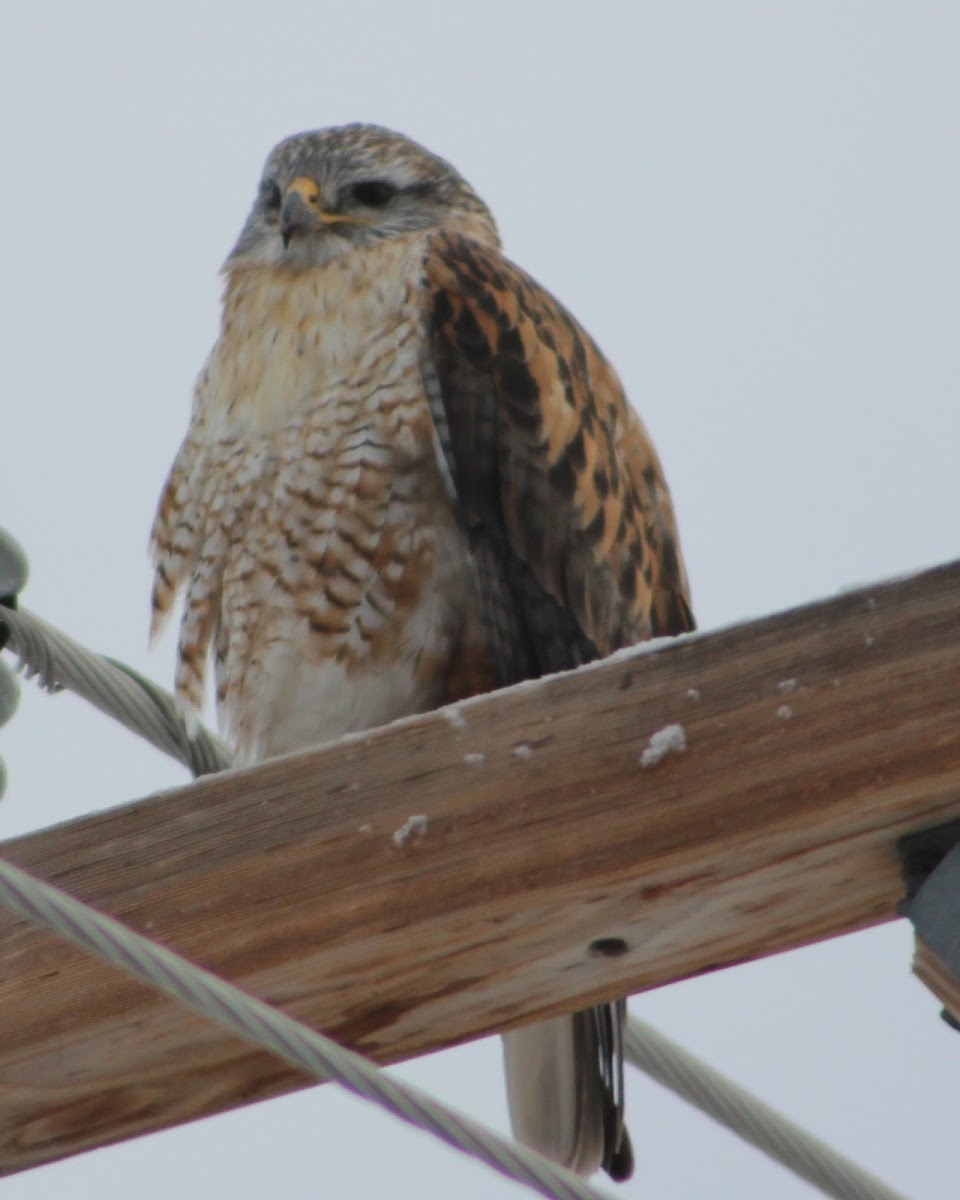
298 213
303 210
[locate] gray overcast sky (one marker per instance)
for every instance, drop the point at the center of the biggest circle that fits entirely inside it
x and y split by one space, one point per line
752 206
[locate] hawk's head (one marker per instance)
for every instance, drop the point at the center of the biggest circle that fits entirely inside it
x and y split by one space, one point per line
326 192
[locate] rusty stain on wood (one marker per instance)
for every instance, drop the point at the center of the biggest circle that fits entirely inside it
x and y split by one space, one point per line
768 831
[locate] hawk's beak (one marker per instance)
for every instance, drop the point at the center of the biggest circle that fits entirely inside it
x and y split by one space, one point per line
300 209
303 210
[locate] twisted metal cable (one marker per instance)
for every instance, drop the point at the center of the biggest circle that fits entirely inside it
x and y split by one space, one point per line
57 661
750 1118
266 1027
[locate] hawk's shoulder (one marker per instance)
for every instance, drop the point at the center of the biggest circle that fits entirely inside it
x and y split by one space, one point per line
555 476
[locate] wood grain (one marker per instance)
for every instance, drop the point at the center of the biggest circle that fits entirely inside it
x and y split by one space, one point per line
814 740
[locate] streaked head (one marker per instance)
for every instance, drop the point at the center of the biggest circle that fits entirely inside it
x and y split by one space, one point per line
325 193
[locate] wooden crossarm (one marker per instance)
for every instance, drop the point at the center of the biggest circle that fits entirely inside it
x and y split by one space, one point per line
552 869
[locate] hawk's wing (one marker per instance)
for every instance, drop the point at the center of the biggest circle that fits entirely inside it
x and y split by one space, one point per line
554 475
575 545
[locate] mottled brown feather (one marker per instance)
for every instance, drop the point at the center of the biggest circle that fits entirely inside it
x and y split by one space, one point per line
554 473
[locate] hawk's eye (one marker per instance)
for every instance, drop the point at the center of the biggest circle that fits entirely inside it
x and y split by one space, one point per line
270 194
374 193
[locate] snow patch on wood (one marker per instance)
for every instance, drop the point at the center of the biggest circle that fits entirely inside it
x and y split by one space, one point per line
413 827
454 717
672 739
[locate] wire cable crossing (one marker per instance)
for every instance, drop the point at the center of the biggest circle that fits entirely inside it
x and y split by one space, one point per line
268 1027
57 661
749 1117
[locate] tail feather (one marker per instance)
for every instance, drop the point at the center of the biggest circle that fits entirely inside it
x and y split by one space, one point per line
565 1090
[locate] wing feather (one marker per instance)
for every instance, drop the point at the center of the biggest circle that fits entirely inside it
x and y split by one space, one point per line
555 476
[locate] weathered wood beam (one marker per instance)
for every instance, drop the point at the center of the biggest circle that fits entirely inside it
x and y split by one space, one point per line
553 870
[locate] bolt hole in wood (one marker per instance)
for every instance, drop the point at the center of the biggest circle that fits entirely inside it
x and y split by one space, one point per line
612 947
